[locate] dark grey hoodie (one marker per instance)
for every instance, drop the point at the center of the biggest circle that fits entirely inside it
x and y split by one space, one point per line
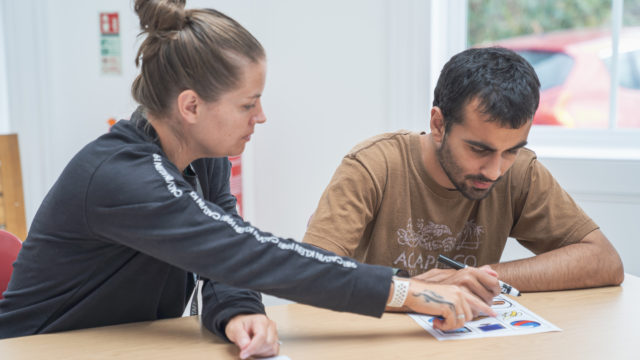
119 233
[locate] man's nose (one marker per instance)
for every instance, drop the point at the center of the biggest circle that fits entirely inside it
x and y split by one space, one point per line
493 168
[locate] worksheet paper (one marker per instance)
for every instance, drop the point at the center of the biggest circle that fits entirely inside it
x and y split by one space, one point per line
512 319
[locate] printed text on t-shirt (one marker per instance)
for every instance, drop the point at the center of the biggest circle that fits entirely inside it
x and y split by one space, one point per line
421 244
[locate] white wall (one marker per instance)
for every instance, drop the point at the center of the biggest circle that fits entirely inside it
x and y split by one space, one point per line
327 90
607 190
58 101
4 95
338 72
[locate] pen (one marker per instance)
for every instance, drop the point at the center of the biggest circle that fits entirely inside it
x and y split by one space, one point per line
504 287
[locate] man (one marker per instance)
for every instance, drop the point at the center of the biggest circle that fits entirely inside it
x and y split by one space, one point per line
403 198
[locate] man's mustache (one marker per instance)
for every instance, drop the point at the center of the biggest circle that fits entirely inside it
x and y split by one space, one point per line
482 178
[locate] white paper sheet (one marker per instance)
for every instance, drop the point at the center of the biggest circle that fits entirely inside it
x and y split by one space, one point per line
512 319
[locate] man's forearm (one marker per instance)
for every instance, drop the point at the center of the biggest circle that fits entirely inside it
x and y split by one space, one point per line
589 263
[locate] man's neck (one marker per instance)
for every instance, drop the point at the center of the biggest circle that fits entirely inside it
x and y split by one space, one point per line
431 162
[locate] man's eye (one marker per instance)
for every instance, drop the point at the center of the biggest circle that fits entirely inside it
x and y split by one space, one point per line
478 150
513 151
249 107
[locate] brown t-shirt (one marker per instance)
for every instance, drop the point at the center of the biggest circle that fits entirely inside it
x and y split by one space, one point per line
382 207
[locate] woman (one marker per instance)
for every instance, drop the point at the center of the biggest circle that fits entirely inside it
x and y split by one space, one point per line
141 208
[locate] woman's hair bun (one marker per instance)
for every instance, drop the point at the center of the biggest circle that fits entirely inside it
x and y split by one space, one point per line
161 15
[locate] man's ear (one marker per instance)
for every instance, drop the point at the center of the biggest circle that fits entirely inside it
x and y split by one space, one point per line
437 125
188 105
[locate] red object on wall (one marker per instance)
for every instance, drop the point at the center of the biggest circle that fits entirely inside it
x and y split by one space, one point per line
236 180
109 23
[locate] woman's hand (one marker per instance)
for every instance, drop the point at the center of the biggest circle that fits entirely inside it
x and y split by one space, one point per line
254 334
452 303
482 281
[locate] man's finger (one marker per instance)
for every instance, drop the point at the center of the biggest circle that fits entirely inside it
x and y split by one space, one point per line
478 283
481 283
488 270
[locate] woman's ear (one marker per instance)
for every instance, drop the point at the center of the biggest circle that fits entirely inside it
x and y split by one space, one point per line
437 125
188 103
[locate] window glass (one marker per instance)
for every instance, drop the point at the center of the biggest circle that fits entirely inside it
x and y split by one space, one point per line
552 68
491 20
629 66
568 42
631 13
635 65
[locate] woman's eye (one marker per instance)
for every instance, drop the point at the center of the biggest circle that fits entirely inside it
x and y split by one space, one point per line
249 107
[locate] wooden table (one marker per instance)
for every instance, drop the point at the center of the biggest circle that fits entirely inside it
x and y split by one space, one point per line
600 323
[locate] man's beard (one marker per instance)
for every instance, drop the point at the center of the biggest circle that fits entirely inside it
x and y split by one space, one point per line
454 173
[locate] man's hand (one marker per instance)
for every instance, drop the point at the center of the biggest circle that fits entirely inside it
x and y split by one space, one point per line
482 281
254 334
454 305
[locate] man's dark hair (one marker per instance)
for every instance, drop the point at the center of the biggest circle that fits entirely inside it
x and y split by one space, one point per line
504 82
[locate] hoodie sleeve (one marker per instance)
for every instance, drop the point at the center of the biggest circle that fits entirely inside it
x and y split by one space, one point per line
140 200
221 302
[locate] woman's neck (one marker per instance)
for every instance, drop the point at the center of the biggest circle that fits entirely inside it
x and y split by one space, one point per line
172 144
